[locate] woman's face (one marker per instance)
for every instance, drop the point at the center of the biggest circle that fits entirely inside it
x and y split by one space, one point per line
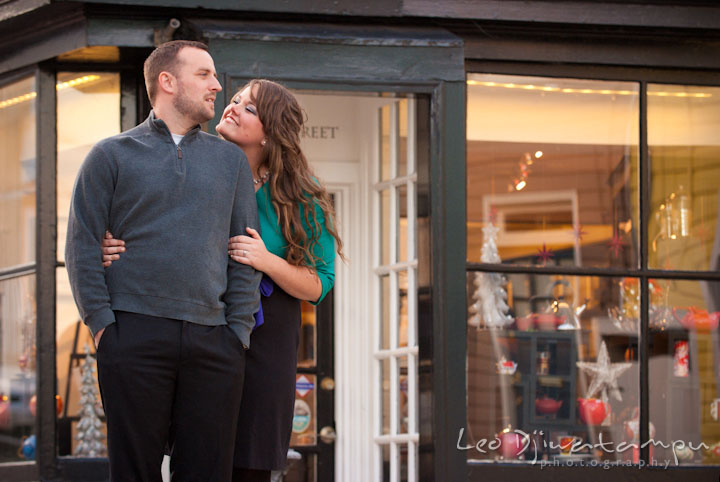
240 123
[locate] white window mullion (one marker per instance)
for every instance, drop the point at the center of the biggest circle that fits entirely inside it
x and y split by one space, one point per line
394 462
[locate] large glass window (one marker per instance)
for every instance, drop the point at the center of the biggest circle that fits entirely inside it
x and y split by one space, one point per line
17 288
554 359
88 110
17 173
684 148
684 371
552 164
563 372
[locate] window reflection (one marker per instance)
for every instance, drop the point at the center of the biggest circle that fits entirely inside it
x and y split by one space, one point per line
18 368
684 149
307 347
552 164
17 173
561 368
683 361
88 110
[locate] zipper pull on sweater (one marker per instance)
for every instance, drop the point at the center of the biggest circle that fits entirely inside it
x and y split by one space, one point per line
179 152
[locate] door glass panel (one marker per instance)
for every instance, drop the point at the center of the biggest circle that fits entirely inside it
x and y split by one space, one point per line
308 336
385 143
402 223
684 373
562 367
385 388
402 395
385 221
88 110
684 148
552 166
18 370
386 463
304 428
385 312
403 308
402 145
17 173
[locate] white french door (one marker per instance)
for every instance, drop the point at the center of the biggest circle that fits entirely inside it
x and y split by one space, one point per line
395 348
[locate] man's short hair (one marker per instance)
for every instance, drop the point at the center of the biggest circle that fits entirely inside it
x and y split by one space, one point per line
164 59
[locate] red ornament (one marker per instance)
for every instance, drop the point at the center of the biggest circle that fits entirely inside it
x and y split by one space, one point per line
4 412
579 232
547 405
511 444
616 244
32 404
593 410
544 254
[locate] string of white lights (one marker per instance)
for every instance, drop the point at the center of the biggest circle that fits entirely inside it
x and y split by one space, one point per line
60 86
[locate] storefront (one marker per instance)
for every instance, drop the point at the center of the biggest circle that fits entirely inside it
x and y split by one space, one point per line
528 196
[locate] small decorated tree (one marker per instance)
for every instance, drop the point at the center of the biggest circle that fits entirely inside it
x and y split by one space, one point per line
489 298
90 438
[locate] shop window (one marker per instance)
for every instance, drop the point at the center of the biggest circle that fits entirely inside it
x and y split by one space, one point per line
560 377
684 151
88 110
18 347
684 374
17 173
18 370
553 352
552 164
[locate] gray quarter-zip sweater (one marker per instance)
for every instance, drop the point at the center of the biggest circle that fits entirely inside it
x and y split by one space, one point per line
175 207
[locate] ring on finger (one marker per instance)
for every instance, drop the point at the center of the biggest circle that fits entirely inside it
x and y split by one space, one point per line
244 252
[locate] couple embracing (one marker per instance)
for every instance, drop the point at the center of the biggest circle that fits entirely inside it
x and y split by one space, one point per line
188 256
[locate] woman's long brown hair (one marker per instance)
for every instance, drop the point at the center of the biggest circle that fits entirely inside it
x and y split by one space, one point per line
291 180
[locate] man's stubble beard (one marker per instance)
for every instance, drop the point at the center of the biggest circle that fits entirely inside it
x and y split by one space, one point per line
185 106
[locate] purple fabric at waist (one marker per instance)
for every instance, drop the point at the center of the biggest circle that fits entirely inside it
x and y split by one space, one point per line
266 289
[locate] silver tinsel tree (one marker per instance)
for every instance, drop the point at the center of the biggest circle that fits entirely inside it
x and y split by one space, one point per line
91 440
490 298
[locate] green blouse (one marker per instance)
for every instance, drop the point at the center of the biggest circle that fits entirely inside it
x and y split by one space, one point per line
275 242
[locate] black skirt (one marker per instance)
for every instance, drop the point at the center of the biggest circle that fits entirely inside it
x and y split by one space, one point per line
268 399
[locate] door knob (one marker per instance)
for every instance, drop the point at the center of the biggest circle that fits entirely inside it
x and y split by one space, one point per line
327 383
327 434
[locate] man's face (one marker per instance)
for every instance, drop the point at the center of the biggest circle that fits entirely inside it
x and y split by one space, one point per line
197 85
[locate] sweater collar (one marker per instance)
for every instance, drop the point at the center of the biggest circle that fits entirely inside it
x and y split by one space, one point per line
160 126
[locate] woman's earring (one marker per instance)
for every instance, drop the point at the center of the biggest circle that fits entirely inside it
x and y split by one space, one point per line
263 142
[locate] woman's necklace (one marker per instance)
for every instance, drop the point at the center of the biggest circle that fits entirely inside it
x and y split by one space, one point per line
262 179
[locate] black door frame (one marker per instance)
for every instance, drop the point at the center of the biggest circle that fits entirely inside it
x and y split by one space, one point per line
325 398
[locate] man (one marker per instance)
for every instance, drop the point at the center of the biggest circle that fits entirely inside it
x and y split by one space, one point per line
172 317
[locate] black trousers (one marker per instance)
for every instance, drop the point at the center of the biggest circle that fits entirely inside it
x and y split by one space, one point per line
170 381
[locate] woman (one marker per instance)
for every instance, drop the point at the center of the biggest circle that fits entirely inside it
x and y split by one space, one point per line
296 252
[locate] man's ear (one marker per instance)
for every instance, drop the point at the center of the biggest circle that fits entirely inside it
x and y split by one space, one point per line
167 82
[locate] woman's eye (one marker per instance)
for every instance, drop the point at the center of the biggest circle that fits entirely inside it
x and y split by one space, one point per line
235 101
250 109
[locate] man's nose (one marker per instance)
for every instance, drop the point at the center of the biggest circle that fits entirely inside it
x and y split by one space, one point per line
216 87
